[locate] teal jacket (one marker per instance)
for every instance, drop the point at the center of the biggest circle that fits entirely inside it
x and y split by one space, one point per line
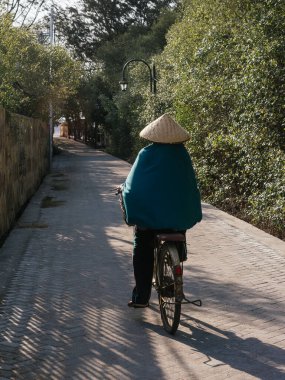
160 191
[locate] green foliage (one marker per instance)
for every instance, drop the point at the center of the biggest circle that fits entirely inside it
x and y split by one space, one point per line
98 97
227 87
31 74
99 22
127 113
137 42
121 123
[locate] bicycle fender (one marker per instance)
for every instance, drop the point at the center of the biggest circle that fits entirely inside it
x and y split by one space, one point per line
179 295
174 253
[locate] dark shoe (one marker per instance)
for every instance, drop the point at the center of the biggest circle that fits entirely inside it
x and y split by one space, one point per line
137 305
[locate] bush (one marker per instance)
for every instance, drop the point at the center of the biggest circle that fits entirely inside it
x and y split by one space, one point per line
227 87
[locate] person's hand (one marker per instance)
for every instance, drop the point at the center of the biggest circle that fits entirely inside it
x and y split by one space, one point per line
119 189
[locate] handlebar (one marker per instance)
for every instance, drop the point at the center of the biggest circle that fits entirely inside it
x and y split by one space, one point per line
119 190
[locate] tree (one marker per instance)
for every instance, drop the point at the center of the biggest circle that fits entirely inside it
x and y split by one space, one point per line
89 102
22 12
99 97
224 71
98 22
38 75
131 110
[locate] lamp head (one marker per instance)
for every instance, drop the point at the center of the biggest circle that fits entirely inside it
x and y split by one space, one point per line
123 84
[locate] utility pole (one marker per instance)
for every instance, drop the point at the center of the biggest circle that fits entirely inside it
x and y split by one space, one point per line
51 40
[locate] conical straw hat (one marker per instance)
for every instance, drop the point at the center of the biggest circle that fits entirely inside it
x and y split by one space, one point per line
165 130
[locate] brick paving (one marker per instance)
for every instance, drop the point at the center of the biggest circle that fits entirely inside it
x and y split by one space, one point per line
63 313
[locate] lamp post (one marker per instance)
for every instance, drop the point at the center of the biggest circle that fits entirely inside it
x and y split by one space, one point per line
44 38
51 41
152 75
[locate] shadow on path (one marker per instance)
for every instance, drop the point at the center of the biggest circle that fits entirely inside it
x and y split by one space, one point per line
223 347
64 315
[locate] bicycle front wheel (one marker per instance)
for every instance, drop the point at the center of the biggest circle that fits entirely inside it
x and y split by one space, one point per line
169 288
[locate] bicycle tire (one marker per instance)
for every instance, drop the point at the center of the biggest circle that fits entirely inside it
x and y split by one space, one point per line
169 304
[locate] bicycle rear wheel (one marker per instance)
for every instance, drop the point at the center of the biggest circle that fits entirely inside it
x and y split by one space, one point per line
170 287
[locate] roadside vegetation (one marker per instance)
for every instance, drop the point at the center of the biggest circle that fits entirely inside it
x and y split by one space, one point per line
220 73
32 74
227 87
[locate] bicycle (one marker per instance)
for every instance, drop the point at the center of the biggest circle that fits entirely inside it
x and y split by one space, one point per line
168 279
168 275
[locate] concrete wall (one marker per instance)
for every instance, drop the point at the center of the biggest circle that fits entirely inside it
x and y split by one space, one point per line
24 160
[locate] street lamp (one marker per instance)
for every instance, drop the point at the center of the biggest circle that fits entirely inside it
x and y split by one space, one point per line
48 37
152 78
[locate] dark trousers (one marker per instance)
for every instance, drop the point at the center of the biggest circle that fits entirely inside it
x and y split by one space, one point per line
143 264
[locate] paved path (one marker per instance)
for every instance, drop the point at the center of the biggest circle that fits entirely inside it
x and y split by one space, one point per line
64 313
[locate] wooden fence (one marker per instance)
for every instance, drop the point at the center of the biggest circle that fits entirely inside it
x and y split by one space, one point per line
24 160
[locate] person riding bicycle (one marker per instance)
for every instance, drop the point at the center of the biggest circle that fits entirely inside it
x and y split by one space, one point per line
159 194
